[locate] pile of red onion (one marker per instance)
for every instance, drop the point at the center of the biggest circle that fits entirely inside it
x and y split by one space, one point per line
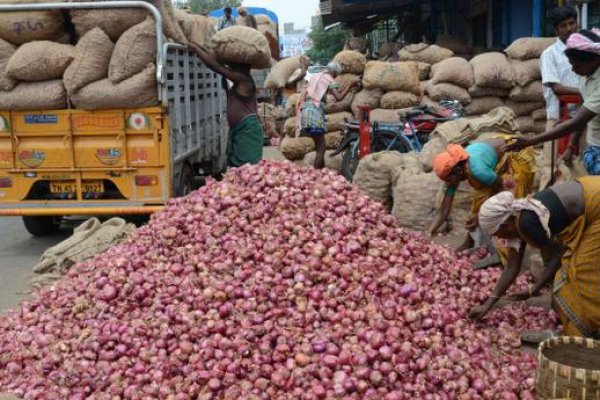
276 283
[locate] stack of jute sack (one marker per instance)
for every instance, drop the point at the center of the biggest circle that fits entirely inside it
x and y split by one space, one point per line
270 30
526 96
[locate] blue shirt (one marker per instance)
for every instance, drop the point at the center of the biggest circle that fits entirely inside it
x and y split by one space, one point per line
482 164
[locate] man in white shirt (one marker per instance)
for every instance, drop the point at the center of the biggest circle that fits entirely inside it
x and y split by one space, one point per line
557 76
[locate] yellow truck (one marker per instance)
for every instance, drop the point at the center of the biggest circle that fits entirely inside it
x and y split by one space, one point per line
57 163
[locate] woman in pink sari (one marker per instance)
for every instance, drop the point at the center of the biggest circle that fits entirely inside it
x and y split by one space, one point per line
312 107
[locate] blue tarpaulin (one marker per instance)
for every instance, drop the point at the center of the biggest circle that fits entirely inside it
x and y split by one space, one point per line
252 10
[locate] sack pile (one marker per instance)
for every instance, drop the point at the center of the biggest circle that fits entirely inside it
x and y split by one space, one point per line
107 63
270 30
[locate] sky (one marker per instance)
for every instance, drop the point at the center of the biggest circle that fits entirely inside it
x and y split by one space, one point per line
297 11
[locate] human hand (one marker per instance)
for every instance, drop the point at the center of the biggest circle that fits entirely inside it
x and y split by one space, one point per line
472 223
517 144
520 296
509 184
478 312
567 156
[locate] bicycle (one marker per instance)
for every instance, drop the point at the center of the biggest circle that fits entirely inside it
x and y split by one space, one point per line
410 134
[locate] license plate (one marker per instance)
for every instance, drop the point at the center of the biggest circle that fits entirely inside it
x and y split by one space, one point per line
71 187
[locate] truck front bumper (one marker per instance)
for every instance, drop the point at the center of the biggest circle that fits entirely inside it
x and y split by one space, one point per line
39 208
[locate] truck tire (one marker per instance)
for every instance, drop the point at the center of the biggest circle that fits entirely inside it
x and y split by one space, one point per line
42 226
187 183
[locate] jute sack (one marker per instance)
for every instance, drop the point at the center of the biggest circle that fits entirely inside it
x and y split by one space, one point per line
539 114
262 19
448 91
376 173
281 72
134 50
345 80
90 64
352 62
525 124
6 52
291 128
478 91
522 109
333 139
402 76
333 106
27 26
242 45
335 122
296 148
201 30
454 70
526 71
138 91
493 70
40 61
291 104
454 43
426 101
539 126
483 105
414 200
398 99
388 50
114 22
423 86
424 53
366 97
357 44
331 161
45 95
385 116
533 91
526 48
424 70
171 28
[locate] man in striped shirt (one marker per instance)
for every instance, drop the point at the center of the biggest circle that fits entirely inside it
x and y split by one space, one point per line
557 76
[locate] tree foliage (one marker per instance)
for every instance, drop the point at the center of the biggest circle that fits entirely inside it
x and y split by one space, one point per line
201 6
326 44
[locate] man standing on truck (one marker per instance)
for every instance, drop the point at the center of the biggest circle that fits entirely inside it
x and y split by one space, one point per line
226 21
246 135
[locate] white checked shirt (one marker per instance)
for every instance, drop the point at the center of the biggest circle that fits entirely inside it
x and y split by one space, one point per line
556 68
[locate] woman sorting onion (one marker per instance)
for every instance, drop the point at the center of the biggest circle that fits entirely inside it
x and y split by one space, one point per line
487 169
564 222
312 107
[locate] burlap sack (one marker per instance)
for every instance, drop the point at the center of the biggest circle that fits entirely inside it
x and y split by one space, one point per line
448 91
525 124
281 72
331 161
333 139
171 28
296 148
424 70
376 173
138 91
457 44
6 52
482 105
526 71
385 116
242 45
45 95
91 61
414 200
26 26
454 70
357 44
478 91
200 29
114 22
533 91
346 80
522 109
402 76
335 122
366 97
291 127
424 53
426 101
352 62
333 106
526 48
134 50
291 104
398 99
493 70
262 19
388 51
40 61
423 86
539 114
539 126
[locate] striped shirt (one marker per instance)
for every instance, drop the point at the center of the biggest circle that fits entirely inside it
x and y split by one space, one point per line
556 68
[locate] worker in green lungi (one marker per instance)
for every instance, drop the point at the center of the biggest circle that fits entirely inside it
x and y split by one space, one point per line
246 135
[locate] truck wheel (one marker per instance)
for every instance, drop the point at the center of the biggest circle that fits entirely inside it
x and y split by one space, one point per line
42 226
186 184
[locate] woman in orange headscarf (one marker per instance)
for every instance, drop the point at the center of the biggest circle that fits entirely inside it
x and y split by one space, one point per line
487 169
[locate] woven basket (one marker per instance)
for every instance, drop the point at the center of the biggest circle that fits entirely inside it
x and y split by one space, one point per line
569 368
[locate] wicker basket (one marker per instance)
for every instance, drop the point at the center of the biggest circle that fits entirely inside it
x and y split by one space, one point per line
569 368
